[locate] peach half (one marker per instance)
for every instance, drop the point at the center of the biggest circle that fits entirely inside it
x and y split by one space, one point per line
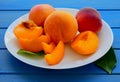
27 30
34 45
30 36
85 43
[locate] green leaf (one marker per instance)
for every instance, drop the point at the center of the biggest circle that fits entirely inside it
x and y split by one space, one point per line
21 51
32 55
108 61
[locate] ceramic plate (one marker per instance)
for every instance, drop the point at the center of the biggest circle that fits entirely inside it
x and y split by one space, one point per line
71 58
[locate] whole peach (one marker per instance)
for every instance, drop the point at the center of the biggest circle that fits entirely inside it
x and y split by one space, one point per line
61 25
89 20
39 13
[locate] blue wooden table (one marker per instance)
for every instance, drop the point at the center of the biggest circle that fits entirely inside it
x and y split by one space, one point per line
14 70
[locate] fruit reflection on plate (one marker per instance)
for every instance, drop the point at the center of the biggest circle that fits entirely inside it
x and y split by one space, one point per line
71 58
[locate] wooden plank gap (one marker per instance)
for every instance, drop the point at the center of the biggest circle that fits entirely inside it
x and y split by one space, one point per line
3 27
58 73
108 9
115 27
14 9
116 48
29 9
3 48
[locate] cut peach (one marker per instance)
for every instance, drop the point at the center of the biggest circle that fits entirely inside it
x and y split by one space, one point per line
35 44
27 30
30 36
48 48
85 43
61 25
57 55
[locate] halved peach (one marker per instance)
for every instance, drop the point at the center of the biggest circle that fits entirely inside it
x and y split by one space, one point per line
30 36
27 30
35 44
85 43
57 55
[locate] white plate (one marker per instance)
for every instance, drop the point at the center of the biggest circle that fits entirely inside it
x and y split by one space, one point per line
71 59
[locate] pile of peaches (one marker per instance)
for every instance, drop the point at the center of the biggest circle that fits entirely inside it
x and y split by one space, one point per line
49 30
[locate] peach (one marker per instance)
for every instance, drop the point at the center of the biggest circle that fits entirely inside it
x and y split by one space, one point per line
30 36
27 29
85 43
34 45
89 20
56 55
48 48
61 25
39 13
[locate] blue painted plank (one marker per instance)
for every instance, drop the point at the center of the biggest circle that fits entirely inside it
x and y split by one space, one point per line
2 32
116 35
59 78
116 42
111 17
7 17
27 4
10 64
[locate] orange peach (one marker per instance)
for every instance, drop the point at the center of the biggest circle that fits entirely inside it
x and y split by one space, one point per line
48 48
61 25
30 36
85 43
35 44
39 13
56 55
28 30
89 20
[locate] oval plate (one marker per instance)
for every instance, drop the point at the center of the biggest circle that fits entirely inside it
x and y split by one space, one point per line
71 58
